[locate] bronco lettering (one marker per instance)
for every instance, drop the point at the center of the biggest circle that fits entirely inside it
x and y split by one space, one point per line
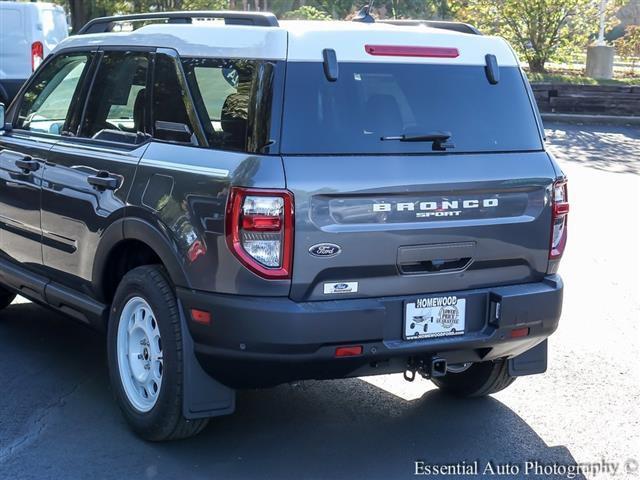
435 206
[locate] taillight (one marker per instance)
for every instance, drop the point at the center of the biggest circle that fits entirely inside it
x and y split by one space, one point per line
260 230
37 55
560 206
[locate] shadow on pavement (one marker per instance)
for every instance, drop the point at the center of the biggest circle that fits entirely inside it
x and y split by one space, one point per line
607 148
58 420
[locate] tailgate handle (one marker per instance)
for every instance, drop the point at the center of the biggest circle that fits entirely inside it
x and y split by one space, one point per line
437 258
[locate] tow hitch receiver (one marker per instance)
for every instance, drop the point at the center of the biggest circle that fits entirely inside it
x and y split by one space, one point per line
432 367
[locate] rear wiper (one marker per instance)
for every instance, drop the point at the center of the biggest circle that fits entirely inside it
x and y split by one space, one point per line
439 139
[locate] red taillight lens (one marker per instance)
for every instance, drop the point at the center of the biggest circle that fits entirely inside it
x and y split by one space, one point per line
408 51
37 55
560 206
261 223
260 230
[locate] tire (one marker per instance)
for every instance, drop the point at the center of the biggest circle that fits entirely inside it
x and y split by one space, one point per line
145 356
6 297
479 380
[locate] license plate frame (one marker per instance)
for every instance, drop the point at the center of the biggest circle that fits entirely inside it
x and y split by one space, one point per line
434 316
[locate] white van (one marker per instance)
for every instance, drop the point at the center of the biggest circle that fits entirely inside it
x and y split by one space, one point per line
28 32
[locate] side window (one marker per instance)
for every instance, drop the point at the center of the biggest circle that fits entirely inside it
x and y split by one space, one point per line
117 106
47 103
223 89
171 120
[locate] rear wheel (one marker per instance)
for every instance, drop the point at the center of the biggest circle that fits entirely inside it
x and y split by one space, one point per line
6 297
146 358
477 380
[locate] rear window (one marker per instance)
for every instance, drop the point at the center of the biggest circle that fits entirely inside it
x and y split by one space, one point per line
375 100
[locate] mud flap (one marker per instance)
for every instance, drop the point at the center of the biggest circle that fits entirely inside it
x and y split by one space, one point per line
203 396
531 362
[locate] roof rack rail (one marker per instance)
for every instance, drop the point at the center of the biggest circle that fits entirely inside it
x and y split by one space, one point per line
444 25
257 19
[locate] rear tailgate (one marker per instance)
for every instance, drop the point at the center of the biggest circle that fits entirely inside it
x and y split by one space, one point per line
419 224
381 208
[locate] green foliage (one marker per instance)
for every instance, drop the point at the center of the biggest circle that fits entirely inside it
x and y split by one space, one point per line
540 30
306 13
578 79
413 9
628 46
205 5
335 8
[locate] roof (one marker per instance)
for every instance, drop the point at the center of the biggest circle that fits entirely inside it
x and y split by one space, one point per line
301 41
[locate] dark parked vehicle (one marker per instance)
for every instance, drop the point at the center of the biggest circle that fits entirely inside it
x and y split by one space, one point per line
240 202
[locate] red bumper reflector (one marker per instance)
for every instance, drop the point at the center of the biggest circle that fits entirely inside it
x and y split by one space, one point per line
520 332
399 51
200 316
349 351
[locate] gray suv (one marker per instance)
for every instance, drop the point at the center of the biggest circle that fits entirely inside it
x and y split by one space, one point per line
240 202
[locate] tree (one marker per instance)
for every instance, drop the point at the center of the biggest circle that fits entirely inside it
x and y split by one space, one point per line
82 11
628 46
306 13
540 30
79 14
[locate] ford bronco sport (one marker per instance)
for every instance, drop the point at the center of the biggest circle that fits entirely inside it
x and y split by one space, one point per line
240 202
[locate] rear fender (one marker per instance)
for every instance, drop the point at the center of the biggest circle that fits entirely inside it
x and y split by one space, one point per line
145 232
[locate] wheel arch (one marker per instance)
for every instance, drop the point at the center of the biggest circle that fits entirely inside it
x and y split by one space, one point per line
134 232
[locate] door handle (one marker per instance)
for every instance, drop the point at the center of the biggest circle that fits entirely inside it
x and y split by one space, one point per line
103 180
27 164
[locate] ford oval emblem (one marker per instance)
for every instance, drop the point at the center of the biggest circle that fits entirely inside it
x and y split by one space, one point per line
325 250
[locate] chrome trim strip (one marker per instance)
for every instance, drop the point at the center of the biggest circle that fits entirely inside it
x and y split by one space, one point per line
214 172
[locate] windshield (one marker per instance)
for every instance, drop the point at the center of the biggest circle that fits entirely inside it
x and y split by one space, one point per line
370 101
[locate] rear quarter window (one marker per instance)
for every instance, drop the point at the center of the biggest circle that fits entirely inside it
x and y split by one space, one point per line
234 100
375 100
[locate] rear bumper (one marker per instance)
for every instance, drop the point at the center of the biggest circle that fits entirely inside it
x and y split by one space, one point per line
262 341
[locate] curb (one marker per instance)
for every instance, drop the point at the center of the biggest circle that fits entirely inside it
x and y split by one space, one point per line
590 119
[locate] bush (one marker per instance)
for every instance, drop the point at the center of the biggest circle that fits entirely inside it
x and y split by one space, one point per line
628 46
306 13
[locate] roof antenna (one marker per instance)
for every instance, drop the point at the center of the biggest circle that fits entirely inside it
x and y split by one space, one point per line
364 15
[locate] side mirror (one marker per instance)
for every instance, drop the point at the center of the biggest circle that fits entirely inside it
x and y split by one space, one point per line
1 117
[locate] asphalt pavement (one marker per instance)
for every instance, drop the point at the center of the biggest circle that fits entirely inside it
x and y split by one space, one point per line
58 419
